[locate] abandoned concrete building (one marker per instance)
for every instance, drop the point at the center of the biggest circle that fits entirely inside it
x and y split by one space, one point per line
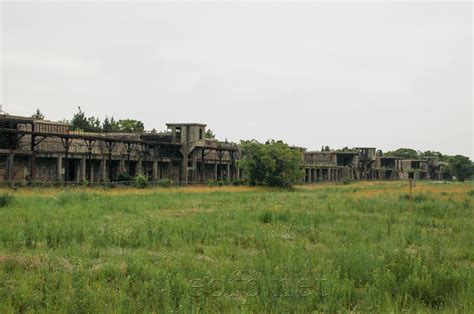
38 150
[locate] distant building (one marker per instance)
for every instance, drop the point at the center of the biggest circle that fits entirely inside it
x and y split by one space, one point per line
38 150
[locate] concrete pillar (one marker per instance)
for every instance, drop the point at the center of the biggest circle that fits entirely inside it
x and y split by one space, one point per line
91 171
103 169
194 168
228 171
138 168
59 169
154 175
308 171
122 164
215 170
82 165
11 167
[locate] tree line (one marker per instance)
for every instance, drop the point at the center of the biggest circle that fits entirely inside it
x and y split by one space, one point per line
81 122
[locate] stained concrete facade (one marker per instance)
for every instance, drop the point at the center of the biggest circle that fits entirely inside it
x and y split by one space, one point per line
48 151
32 150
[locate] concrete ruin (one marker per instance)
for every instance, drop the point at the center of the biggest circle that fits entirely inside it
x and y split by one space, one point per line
44 151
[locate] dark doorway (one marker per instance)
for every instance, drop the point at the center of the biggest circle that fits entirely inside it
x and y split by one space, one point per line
71 170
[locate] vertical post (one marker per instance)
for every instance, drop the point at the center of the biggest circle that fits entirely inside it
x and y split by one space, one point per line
122 164
155 170
66 164
66 144
59 168
90 146
111 177
184 168
194 168
83 164
91 171
110 146
103 169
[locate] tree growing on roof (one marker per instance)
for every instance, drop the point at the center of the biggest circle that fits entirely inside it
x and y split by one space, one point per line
110 125
79 120
131 126
38 115
209 134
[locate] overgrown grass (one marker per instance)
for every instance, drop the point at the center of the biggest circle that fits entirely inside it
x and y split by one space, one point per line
315 248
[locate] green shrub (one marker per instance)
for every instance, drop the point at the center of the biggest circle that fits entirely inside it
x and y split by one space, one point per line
5 199
141 181
85 183
165 183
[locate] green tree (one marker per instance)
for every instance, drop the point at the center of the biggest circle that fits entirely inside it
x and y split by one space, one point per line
273 163
94 124
209 134
38 115
131 126
79 120
434 154
404 153
461 167
110 125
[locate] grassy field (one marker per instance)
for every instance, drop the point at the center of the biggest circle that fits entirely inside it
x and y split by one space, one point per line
314 248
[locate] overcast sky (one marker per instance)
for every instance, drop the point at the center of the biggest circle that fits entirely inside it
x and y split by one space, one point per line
339 74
